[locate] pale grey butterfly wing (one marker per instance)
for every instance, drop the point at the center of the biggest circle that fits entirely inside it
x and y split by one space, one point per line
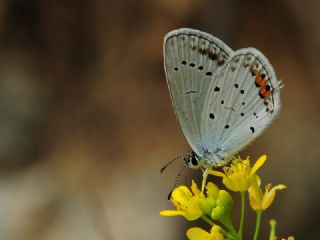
243 98
191 58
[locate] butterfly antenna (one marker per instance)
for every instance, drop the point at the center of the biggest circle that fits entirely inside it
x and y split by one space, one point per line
169 163
177 178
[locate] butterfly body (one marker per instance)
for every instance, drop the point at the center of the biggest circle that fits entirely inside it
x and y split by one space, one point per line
222 98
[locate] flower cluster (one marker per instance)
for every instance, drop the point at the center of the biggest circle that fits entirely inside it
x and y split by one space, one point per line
214 205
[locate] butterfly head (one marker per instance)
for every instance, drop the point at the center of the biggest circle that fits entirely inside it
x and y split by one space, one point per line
193 160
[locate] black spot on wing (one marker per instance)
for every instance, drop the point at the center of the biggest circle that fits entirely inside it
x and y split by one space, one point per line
268 88
190 91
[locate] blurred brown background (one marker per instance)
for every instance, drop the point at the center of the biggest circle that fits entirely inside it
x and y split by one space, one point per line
86 120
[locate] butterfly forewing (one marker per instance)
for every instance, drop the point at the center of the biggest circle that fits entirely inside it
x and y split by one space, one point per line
192 58
244 97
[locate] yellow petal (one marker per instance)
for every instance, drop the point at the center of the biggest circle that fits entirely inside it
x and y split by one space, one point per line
255 205
255 193
230 185
197 234
257 179
279 187
258 164
190 216
269 196
194 188
181 195
240 181
255 196
215 228
212 190
170 213
215 233
217 173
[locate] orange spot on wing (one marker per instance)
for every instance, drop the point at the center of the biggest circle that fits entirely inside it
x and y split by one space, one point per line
260 82
264 92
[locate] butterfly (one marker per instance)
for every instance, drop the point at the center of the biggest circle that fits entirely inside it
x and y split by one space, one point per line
223 99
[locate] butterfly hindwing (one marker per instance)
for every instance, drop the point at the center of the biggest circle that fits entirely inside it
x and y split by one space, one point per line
192 58
244 97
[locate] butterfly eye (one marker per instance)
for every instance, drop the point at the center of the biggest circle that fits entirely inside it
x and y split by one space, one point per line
194 160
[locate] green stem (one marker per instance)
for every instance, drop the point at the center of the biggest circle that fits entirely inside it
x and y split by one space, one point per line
243 203
208 220
258 221
272 230
231 235
226 221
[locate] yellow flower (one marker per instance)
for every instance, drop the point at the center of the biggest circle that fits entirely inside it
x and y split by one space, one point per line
195 204
238 176
260 200
200 234
186 202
